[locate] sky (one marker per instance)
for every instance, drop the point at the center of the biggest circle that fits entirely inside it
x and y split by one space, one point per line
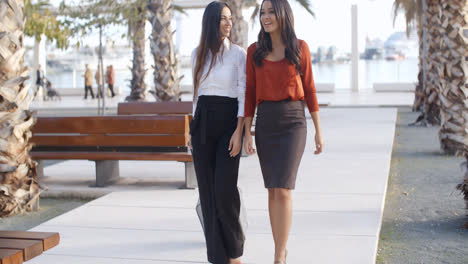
331 25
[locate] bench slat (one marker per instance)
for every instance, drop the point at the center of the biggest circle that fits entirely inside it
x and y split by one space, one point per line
30 248
113 124
11 256
183 157
48 239
135 108
111 140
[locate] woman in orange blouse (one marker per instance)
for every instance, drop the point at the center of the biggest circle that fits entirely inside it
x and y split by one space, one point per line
279 81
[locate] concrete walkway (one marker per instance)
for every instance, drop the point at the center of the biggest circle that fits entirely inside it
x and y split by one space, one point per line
338 203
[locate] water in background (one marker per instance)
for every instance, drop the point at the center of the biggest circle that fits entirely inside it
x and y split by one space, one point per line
370 71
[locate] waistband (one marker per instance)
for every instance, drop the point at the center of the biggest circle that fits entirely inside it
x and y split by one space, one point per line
206 102
214 99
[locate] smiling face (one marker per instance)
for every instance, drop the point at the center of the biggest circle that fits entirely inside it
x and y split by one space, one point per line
225 25
268 17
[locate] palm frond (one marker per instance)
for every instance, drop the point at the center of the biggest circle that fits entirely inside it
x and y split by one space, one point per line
255 13
412 10
304 3
179 9
250 3
307 6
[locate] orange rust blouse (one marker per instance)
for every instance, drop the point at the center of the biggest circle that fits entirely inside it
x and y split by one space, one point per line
279 80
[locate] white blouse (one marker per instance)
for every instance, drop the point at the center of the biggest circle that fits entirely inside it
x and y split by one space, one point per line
227 76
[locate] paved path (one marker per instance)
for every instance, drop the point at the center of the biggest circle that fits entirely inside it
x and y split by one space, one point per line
338 204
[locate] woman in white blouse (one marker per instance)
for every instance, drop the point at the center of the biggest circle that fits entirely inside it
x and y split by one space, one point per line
216 132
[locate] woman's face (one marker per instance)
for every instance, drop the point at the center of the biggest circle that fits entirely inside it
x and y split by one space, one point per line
225 25
268 17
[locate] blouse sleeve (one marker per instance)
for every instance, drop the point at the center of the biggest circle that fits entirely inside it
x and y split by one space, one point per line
194 61
307 79
241 72
250 89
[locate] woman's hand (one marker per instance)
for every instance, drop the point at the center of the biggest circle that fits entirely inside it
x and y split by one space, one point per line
318 143
235 143
189 142
248 144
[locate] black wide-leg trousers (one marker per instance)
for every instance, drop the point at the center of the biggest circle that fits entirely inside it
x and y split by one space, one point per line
214 123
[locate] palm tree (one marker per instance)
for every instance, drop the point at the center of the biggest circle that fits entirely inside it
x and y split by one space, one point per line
413 11
446 71
453 76
422 18
431 21
166 79
19 190
453 91
137 22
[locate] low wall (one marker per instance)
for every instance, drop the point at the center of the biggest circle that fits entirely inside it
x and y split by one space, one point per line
321 88
325 87
394 87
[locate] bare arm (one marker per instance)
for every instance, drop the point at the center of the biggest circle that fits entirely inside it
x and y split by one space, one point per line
248 141
235 144
240 123
319 144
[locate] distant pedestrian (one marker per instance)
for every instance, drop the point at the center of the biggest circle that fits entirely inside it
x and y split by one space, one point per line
110 79
51 93
39 79
88 82
98 79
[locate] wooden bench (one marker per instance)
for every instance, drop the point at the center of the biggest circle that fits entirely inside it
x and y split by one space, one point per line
17 247
108 139
151 108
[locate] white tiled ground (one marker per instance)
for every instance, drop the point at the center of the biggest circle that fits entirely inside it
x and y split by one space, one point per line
338 204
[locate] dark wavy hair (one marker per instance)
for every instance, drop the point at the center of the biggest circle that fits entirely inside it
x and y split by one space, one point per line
210 41
285 19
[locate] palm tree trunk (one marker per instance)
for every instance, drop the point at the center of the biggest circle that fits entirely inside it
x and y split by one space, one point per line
138 85
239 32
431 23
419 90
19 190
453 91
431 102
431 65
166 79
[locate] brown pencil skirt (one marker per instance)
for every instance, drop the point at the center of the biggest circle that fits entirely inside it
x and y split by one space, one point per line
280 137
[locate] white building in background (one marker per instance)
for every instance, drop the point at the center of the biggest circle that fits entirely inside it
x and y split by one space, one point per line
399 42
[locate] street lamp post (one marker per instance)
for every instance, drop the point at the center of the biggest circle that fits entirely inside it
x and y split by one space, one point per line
354 49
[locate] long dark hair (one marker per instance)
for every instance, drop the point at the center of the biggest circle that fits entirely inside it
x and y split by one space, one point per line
210 41
285 18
